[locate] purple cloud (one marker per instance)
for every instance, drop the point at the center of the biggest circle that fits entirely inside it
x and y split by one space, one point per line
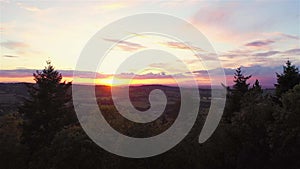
295 51
65 73
269 53
290 36
259 43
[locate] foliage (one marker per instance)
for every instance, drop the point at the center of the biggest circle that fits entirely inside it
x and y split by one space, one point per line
71 149
47 110
12 153
288 79
235 94
285 132
240 81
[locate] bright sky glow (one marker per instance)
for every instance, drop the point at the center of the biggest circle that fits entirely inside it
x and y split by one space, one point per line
260 35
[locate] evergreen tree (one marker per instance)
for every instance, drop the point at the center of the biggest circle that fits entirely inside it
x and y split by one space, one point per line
240 87
48 108
256 88
288 79
284 136
240 81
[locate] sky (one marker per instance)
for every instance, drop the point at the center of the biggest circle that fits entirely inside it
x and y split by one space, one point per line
257 35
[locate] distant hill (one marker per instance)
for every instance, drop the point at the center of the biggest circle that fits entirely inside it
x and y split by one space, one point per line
13 94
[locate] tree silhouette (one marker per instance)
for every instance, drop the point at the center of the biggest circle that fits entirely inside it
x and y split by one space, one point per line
256 88
240 81
240 87
285 132
47 110
288 79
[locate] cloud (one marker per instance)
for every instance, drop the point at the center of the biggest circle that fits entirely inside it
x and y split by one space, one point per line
10 56
126 45
66 73
14 49
295 51
158 65
290 36
216 13
269 53
259 43
29 8
207 56
200 72
17 73
235 22
181 45
266 75
150 75
14 45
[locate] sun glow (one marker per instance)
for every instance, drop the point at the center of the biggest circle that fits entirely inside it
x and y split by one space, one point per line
112 81
115 81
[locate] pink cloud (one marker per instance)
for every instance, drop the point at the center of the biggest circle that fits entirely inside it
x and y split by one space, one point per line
126 45
181 45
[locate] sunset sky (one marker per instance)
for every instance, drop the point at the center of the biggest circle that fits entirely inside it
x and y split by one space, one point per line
257 35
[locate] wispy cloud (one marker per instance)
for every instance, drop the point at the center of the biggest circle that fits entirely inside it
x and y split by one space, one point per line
66 73
260 43
10 56
14 45
14 49
17 73
290 36
28 7
158 65
126 45
290 52
269 53
293 52
207 56
181 45
150 75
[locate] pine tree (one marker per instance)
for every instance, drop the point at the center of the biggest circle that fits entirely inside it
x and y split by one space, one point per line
235 95
288 79
256 87
48 108
240 81
239 89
